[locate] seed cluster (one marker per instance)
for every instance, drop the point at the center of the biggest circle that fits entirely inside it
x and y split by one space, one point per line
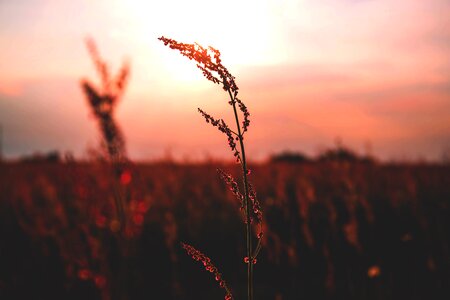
244 110
208 61
199 256
223 127
234 188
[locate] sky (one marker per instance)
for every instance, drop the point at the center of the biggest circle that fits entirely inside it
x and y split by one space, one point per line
374 74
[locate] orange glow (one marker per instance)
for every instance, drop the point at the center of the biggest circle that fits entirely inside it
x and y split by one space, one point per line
229 27
374 271
11 89
305 77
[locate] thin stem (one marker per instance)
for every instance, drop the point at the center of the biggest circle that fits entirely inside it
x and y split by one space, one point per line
234 133
247 204
119 198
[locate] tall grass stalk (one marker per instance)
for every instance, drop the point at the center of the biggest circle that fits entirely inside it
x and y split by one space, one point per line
247 202
103 101
209 62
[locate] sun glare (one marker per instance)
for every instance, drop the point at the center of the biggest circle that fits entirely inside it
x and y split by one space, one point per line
241 29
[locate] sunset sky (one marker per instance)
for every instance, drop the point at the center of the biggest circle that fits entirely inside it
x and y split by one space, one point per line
373 73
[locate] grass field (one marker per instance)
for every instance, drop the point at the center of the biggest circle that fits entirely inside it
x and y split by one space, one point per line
333 230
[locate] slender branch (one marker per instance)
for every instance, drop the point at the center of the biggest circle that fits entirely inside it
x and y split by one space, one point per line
236 134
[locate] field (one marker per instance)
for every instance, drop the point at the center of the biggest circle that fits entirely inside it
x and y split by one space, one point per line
333 230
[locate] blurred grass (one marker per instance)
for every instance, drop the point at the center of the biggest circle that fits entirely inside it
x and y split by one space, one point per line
334 230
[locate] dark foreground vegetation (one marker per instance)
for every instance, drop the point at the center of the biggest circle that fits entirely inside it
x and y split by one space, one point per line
333 230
